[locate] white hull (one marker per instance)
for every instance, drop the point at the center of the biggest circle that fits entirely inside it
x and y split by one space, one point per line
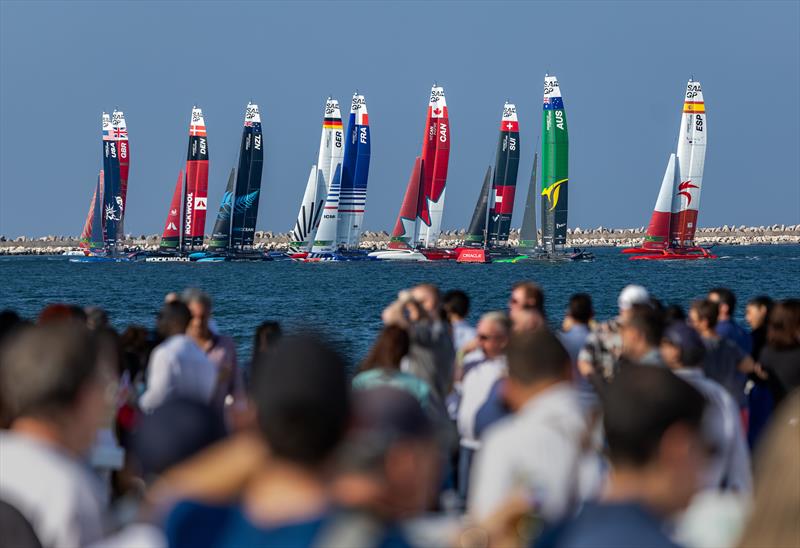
399 255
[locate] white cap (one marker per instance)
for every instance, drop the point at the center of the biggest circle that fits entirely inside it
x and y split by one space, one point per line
631 295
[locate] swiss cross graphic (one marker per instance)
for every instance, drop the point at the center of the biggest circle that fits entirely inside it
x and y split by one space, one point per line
509 125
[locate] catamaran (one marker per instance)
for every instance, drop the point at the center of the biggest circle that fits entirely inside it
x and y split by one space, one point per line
419 222
670 234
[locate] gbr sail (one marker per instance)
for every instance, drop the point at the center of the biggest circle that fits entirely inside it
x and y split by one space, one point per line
355 172
435 159
555 167
329 163
119 130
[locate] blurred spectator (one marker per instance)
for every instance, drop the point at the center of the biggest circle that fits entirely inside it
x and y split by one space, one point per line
526 307
17 530
757 316
729 464
267 334
597 360
381 367
726 324
674 313
302 395
573 335
178 367
9 322
96 318
57 393
641 335
774 520
760 400
61 312
456 306
537 451
480 378
652 420
780 359
725 361
220 349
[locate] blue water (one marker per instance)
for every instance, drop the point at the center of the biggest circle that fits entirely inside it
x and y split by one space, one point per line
345 299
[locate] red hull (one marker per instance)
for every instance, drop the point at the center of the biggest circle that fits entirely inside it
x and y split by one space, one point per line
439 254
472 255
670 254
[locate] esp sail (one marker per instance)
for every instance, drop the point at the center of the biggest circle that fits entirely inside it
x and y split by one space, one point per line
171 237
221 234
504 184
112 199
691 155
196 189
329 163
555 167
119 130
528 237
355 172
248 180
435 159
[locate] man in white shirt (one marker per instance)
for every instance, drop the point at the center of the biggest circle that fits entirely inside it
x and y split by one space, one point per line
177 366
54 387
536 452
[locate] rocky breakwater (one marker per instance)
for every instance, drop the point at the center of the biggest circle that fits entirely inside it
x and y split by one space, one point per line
578 237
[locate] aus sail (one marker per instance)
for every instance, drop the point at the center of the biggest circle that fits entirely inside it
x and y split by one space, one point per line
555 167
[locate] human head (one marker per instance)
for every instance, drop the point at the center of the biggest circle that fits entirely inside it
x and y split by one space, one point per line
641 331
61 312
301 394
652 420
526 320
783 330
493 331
456 304
682 347
726 300
173 319
757 311
389 348
267 334
199 304
535 360
526 295
580 308
96 317
674 313
629 296
54 375
389 463
703 315
427 295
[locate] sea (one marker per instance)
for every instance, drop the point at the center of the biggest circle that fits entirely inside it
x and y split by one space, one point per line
344 300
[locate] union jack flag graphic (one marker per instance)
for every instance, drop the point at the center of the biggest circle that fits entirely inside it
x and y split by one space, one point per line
120 133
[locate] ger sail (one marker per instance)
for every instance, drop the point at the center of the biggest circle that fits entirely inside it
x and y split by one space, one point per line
330 164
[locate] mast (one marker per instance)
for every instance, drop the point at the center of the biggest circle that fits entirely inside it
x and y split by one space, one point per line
555 166
330 164
504 184
478 225
528 238
691 160
435 160
196 196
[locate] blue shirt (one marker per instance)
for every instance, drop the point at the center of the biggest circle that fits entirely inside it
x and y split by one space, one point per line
729 329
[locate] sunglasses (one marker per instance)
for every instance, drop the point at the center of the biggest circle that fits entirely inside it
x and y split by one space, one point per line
483 337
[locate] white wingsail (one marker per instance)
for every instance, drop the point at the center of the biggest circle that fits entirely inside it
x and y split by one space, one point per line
331 152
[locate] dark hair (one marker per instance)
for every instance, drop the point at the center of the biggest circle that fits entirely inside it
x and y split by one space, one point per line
9 322
707 310
537 356
762 300
96 317
726 296
61 312
44 368
267 334
638 408
674 313
783 329
580 307
301 394
389 348
647 321
532 292
173 319
456 302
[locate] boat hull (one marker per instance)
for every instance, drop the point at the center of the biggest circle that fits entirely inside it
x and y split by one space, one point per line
669 254
411 255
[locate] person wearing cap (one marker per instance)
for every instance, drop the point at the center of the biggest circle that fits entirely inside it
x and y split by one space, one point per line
598 358
683 352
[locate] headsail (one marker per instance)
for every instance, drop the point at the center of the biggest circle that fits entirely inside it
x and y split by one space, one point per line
355 172
555 167
477 226
691 160
196 196
657 236
310 211
94 205
170 239
405 229
248 180
331 154
119 130
112 200
504 185
96 233
435 159
528 237
221 235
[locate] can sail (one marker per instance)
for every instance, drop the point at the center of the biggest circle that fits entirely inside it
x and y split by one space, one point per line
331 154
112 200
657 235
221 234
248 180
504 184
435 159
170 239
477 226
196 193
528 237
691 159
555 166
119 130
355 172
405 229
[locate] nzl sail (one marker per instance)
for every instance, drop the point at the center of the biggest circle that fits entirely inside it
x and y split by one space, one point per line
248 180
691 158
435 158
329 164
355 172
555 165
112 199
196 190
120 134
310 215
504 185
170 239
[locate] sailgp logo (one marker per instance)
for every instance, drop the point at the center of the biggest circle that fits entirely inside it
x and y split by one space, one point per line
552 193
684 190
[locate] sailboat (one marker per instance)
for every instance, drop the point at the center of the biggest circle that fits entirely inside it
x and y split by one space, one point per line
419 221
670 234
119 132
487 236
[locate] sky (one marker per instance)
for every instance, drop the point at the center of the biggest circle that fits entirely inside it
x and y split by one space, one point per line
622 67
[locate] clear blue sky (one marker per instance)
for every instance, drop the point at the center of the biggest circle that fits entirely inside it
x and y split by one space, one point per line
622 67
